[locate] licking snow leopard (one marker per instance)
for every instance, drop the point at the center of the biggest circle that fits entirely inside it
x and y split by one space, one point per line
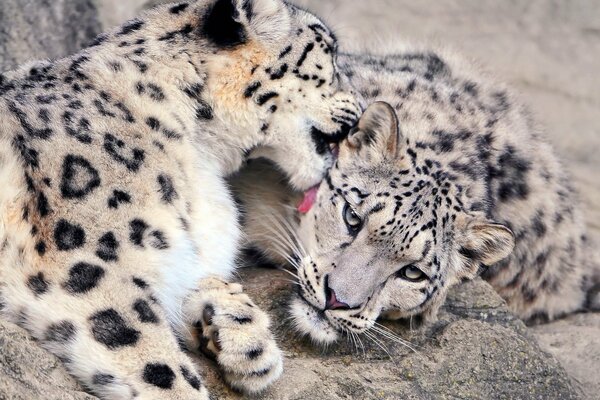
117 229
451 181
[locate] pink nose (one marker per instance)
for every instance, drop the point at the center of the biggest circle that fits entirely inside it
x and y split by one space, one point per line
332 301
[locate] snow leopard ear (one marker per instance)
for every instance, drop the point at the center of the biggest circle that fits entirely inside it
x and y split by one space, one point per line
484 243
377 135
230 23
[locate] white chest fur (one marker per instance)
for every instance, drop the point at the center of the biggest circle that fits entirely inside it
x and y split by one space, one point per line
209 248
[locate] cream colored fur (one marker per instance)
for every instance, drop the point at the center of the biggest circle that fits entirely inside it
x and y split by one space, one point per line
117 229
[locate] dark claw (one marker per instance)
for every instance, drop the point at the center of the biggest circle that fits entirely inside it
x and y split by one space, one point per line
208 314
215 339
203 348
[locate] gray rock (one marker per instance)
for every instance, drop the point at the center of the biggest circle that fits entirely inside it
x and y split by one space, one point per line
37 29
29 372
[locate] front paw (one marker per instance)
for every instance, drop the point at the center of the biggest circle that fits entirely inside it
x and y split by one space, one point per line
235 332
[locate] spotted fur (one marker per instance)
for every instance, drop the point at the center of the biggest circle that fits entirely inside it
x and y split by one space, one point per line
445 182
114 211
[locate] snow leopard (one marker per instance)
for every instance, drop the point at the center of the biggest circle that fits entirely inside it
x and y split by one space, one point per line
118 232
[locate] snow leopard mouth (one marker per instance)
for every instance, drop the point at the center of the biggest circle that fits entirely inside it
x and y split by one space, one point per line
312 322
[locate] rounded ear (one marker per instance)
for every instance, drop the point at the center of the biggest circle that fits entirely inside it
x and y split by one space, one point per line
377 135
486 243
230 23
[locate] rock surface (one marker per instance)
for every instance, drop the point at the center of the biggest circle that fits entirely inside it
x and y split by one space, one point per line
28 372
37 29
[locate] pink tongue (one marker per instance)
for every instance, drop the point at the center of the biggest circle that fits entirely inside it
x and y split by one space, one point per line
309 199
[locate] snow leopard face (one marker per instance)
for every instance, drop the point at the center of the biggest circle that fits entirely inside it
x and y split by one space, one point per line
388 234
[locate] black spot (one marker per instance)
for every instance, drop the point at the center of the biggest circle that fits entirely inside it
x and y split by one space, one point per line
137 230
183 32
286 51
139 283
144 312
102 109
44 133
75 105
248 9
80 131
109 328
539 227
190 377
242 320
117 198
116 66
117 150
280 73
512 175
261 372
254 354
158 240
131 26
40 247
38 284
141 66
83 277
194 91
204 111
153 123
42 205
79 178
99 40
68 236
160 375
44 115
309 47
166 189
263 98
127 115
221 26
29 155
108 247
251 89
100 379
169 134
60 332
176 9
155 92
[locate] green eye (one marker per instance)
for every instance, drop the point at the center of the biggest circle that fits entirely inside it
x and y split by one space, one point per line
411 274
352 220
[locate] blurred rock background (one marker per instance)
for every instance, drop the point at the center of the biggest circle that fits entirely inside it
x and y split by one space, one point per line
549 50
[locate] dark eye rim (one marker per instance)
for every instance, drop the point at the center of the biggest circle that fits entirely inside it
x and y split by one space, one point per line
402 274
352 229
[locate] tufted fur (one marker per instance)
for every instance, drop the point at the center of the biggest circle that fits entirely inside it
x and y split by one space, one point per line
448 180
114 211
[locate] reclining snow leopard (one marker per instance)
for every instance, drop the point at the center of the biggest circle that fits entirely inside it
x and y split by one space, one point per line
450 181
117 229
